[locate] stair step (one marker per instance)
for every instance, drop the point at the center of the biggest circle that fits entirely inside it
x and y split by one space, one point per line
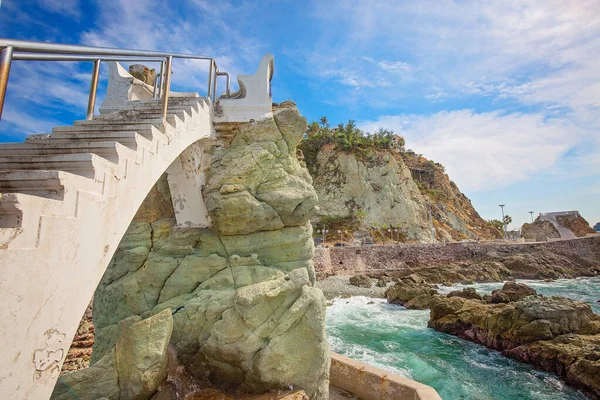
27 181
84 164
111 150
130 136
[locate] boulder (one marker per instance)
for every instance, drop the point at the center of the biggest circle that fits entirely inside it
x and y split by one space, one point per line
133 369
143 73
466 293
410 295
511 291
361 281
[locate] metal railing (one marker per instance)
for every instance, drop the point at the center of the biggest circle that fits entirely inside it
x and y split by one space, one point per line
13 50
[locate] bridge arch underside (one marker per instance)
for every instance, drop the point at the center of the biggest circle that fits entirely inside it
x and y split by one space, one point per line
46 296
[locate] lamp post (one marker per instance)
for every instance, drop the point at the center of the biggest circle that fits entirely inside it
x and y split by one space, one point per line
503 224
325 231
341 235
396 233
391 234
531 213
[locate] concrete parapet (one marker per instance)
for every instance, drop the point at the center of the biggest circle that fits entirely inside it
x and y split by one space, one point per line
372 383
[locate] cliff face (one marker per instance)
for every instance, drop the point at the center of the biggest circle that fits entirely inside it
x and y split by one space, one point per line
454 216
377 190
245 312
381 189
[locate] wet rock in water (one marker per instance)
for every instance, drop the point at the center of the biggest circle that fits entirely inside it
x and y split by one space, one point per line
414 278
511 291
361 281
383 281
410 295
554 333
466 293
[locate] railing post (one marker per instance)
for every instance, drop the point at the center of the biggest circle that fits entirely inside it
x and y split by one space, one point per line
210 77
216 75
167 88
93 90
160 78
5 61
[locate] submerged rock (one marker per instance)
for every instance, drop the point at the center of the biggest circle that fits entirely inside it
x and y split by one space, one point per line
556 334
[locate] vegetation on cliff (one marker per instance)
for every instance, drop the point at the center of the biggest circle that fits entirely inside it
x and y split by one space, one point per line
351 172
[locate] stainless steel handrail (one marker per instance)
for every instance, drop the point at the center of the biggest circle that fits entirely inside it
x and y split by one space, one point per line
39 51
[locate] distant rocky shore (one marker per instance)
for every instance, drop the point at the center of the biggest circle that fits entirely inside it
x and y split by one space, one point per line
464 262
556 334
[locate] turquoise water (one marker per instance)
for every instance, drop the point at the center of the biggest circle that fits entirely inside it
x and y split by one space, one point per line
398 340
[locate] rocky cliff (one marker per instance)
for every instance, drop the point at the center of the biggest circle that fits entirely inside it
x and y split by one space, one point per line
369 186
245 314
454 216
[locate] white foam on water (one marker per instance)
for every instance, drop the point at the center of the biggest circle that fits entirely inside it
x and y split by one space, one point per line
398 340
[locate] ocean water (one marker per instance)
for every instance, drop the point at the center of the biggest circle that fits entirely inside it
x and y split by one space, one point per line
398 340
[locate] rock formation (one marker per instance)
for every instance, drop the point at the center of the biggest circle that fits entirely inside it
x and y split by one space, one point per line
245 312
539 231
367 186
556 334
379 186
410 294
454 216
565 225
143 73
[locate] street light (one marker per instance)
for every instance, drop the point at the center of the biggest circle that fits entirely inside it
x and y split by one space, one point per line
531 213
391 234
395 230
341 235
503 224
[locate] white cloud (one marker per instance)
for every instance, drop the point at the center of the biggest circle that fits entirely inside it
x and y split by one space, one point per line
485 150
537 52
66 7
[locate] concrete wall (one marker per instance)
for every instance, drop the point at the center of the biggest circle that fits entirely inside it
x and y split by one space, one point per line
372 383
396 259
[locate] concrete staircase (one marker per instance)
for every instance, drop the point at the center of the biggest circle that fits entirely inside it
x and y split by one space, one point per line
66 200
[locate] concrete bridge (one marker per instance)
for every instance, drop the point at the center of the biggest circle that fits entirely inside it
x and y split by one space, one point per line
68 197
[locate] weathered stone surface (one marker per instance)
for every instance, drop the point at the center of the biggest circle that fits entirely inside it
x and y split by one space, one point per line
466 262
361 281
143 73
557 334
141 356
245 312
466 293
410 295
511 291
381 186
133 369
539 231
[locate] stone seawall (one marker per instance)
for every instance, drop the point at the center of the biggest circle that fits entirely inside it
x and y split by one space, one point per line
568 258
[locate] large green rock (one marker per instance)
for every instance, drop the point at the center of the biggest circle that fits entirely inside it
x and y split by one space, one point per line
245 312
133 369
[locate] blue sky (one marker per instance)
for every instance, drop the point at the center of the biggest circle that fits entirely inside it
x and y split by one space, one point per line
506 94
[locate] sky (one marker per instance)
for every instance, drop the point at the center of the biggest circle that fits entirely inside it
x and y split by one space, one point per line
505 94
